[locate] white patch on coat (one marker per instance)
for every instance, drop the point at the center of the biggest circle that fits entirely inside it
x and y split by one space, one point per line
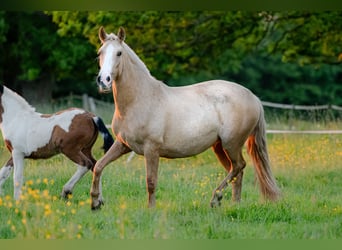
26 129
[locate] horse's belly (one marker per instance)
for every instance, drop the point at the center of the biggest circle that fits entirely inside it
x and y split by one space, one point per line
185 145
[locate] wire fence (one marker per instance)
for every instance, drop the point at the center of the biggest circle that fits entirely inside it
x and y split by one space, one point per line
301 107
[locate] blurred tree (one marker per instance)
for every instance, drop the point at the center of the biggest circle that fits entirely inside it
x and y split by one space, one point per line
55 52
172 44
305 37
35 58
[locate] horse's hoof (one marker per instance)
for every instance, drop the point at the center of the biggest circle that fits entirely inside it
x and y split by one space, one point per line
66 194
97 206
216 200
214 204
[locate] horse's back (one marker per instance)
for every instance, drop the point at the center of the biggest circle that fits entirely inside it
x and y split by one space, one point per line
218 97
70 127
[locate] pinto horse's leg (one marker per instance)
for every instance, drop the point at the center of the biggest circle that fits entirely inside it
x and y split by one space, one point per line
69 186
151 164
5 172
18 178
84 163
234 164
116 150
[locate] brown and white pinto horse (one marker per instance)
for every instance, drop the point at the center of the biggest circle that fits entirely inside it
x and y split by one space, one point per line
28 134
155 120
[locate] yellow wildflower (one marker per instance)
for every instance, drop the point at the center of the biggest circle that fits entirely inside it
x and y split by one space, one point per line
29 182
46 194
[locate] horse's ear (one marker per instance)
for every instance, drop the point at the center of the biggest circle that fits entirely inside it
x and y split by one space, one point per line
121 34
102 34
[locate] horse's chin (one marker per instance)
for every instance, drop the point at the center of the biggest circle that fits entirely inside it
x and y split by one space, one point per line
105 90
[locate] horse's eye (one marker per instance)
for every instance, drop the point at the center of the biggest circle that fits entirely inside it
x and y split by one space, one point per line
119 53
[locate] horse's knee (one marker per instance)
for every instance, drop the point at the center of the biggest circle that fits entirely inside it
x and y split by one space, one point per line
151 185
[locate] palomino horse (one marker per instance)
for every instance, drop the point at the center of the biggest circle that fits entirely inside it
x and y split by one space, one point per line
155 120
28 134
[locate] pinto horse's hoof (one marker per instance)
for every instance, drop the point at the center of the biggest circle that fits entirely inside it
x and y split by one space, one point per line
97 206
66 195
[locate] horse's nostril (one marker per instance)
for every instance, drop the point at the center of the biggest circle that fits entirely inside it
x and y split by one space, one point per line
98 79
108 78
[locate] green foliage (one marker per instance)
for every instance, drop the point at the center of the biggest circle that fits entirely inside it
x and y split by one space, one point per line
289 56
306 37
289 83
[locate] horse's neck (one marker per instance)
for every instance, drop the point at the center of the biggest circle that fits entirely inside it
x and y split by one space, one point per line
135 86
14 106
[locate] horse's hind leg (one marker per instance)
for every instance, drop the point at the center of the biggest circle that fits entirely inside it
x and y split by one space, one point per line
84 163
234 164
5 172
69 186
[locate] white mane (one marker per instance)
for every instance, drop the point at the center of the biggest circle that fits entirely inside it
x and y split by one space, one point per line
14 97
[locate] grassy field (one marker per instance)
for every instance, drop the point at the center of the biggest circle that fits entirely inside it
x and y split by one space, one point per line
308 169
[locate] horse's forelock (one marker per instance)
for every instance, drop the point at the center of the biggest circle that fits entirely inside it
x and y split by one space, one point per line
111 37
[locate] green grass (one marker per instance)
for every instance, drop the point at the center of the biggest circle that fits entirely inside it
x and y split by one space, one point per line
308 169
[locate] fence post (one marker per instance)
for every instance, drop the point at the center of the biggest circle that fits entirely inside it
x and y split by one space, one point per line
92 105
85 102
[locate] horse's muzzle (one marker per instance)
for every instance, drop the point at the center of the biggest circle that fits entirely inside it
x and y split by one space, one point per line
103 88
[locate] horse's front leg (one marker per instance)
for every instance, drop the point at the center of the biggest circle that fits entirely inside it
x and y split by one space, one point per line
18 177
5 172
116 150
151 155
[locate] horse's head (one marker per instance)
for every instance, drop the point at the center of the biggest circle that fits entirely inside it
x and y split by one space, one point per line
109 58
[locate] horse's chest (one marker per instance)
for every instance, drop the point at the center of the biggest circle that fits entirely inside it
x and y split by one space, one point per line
131 133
